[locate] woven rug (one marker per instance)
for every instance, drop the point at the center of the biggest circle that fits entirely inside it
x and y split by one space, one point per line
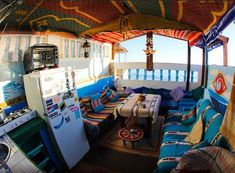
145 146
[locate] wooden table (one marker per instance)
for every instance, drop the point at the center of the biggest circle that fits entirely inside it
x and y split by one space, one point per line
130 134
148 109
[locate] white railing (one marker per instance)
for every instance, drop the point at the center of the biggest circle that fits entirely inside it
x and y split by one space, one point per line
164 75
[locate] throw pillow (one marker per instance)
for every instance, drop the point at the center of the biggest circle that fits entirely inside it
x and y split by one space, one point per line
96 102
195 136
177 93
207 159
112 96
83 109
87 103
129 90
189 117
103 95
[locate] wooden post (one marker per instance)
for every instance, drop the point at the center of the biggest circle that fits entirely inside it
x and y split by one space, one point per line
225 49
206 66
149 51
225 54
188 68
203 66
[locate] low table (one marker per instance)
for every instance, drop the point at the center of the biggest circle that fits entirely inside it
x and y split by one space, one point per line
132 107
130 134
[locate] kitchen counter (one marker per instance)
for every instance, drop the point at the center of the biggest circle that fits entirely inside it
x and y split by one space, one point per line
17 162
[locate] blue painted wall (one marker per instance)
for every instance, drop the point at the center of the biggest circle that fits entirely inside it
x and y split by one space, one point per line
95 87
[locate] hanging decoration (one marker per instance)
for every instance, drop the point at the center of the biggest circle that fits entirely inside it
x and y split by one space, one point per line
149 51
86 46
219 84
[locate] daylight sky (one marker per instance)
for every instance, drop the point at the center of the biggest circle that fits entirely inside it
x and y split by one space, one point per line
175 51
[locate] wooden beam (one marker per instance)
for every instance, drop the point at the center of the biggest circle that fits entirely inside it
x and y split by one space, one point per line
188 68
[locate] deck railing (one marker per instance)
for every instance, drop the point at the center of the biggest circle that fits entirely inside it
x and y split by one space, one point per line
164 75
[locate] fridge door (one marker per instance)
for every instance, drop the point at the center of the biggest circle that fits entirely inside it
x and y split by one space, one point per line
64 118
52 81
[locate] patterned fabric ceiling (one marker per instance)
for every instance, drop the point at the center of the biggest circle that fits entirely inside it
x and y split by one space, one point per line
77 16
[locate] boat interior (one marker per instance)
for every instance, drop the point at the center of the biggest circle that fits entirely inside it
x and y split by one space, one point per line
71 101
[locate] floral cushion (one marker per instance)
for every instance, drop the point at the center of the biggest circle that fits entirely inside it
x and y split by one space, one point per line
96 103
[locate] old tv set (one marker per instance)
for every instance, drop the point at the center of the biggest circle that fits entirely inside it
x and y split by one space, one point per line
40 56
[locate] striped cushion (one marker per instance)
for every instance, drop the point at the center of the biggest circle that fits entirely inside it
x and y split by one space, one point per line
87 103
211 159
103 95
96 103
83 109
211 129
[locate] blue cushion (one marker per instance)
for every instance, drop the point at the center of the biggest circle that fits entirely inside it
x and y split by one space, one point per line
173 137
148 90
177 127
212 128
174 150
96 102
138 90
112 96
189 118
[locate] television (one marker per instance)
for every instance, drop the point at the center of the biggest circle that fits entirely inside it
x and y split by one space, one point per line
40 56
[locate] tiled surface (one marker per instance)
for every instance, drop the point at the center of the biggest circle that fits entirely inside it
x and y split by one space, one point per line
17 162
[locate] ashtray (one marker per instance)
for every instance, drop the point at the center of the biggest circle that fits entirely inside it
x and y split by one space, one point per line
141 98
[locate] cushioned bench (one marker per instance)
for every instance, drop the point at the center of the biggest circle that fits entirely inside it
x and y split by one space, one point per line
175 131
97 104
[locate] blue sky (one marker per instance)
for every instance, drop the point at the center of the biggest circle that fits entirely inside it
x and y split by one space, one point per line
175 51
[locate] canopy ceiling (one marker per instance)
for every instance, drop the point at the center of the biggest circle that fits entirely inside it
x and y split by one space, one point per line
186 19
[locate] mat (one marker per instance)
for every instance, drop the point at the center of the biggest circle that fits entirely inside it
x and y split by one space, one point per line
145 146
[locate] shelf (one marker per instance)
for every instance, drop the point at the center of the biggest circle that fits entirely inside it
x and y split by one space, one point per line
35 151
43 163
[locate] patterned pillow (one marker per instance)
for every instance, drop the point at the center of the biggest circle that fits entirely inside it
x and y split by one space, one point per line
177 93
112 96
189 117
207 159
83 109
96 103
103 95
87 103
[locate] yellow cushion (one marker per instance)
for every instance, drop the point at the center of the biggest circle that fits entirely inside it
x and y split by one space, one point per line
194 137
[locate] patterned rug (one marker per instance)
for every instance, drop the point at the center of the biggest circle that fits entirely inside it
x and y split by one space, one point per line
145 146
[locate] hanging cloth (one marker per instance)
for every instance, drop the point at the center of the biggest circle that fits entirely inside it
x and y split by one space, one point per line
228 125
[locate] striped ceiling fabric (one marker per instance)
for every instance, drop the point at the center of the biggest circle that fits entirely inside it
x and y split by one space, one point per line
114 37
78 16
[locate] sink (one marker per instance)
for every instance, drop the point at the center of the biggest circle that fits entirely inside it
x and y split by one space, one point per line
4 153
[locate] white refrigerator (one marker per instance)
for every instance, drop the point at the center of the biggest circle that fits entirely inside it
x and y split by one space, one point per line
52 94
